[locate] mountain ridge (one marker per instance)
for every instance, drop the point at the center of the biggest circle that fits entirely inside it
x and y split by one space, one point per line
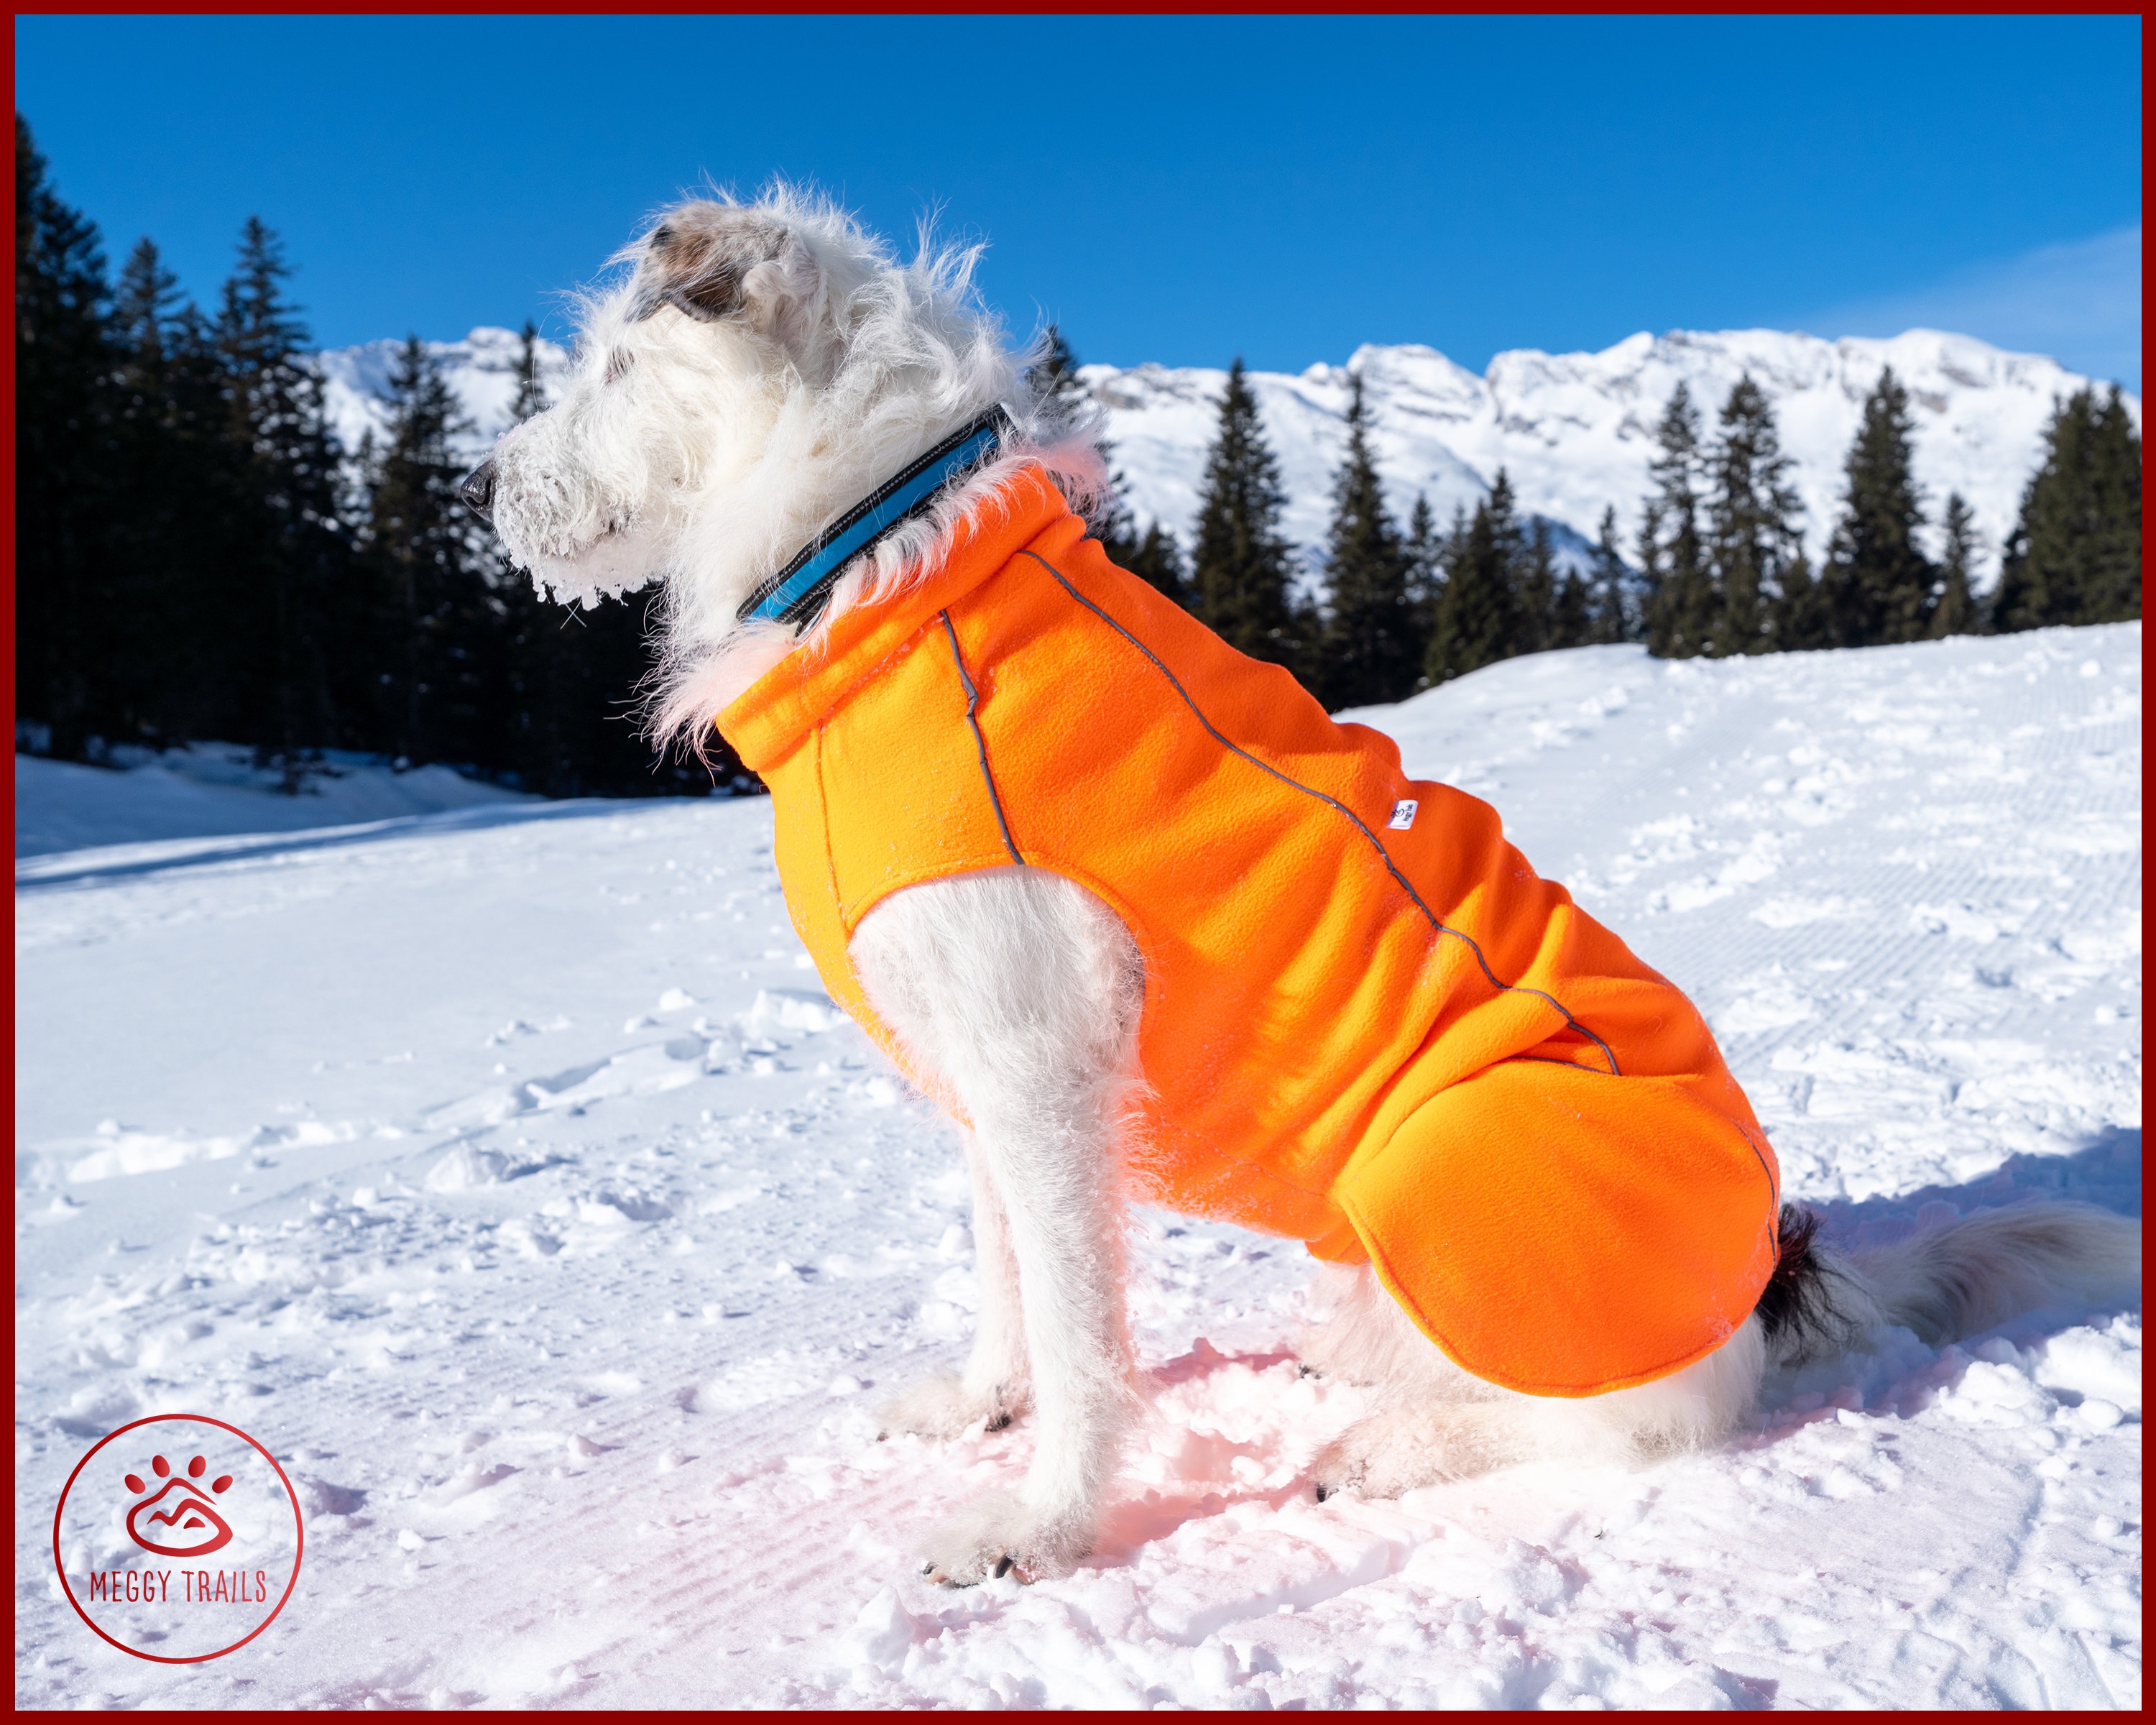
1574 431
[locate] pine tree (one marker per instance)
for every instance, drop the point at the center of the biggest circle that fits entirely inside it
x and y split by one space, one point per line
1535 591
1803 614
291 589
1677 601
1878 581
1374 646
422 549
1752 523
186 530
260 333
1477 621
2111 589
1955 609
65 498
1421 548
188 509
144 311
2076 553
1241 568
1424 549
545 690
1153 557
1571 622
1609 614
1055 376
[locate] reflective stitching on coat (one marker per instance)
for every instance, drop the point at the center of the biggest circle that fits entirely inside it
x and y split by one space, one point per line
980 742
1384 856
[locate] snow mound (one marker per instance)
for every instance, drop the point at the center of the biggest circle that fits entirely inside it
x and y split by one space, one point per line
795 1009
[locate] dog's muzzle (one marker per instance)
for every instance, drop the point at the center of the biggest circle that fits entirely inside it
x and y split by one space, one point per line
476 488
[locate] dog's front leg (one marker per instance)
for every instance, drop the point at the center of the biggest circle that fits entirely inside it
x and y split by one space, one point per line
1056 1168
1019 990
994 1387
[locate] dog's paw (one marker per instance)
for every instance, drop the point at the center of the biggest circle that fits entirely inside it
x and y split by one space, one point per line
943 1407
1399 1450
1000 1534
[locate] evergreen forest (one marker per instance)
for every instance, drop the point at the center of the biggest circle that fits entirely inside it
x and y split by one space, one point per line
196 557
1718 566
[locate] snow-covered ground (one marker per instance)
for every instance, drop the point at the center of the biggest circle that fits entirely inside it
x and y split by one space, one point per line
215 787
505 1171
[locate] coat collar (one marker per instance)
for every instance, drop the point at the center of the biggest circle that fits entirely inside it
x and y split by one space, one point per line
769 719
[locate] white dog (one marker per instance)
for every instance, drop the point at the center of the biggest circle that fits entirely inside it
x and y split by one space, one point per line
765 368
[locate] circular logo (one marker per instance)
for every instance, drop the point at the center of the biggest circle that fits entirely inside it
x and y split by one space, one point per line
178 1538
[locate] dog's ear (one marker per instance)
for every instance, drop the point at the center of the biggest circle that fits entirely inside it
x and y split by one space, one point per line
713 261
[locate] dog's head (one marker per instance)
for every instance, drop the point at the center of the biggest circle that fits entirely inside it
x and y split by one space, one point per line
681 374
764 366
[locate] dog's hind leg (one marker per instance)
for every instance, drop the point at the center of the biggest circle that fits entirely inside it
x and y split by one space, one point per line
995 1386
1020 991
1359 1335
1434 1423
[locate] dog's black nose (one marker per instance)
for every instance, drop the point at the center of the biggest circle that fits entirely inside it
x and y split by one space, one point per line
476 488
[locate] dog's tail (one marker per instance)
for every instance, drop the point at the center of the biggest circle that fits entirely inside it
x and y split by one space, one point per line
1949 1283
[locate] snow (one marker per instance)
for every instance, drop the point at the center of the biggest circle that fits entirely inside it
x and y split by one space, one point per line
481 370
214 788
1574 431
504 1171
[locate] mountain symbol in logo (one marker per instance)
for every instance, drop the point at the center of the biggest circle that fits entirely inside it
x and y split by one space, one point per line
178 1510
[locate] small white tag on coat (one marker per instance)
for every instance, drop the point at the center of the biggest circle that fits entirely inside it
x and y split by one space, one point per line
1403 813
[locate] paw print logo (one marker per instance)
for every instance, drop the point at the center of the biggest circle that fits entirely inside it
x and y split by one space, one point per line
178 1509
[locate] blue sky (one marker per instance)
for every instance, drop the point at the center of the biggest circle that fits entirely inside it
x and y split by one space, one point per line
1179 190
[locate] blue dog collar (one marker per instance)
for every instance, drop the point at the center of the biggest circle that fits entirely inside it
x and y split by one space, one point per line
797 593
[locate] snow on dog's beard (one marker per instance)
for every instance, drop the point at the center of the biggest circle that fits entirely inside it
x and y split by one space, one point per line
766 366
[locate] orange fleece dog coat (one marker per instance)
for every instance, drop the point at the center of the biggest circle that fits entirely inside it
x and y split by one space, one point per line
1367 1023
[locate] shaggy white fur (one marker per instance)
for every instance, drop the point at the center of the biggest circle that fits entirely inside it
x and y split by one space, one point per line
1020 991
764 367
1434 1422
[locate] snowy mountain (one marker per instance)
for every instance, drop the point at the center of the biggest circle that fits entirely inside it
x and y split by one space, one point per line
481 368
1575 431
